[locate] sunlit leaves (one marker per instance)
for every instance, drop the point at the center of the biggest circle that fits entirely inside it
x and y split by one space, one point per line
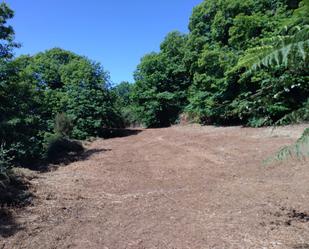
278 50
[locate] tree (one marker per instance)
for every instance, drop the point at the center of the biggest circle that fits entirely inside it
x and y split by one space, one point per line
220 32
34 90
123 92
19 119
162 82
290 51
7 43
77 86
286 49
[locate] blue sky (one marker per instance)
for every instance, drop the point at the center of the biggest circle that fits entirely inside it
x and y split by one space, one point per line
116 33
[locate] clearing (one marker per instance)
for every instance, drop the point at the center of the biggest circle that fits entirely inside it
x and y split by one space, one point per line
174 188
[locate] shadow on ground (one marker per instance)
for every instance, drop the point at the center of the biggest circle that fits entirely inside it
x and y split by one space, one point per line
16 194
66 151
68 159
88 153
114 133
8 224
301 246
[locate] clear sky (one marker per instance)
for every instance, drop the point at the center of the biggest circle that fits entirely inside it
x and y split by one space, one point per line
116 33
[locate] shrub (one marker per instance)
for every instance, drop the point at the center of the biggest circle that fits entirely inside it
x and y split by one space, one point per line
63 125
14 189
5 164
59 148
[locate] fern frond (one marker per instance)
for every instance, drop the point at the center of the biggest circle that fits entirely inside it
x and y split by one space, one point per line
296 117
299 150
301 15
280 50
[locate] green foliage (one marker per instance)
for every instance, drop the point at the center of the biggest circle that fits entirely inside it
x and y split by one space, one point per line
278 50
5 38
5 164
63 125
220 92
159 94
13 189
20 122
247 29
123 92
59 148
285 49
12 123
74 85
6 33
203 73
295 117
92 110
124 103
34 90
299 150
291 51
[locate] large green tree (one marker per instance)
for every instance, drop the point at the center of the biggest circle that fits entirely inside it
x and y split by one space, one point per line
291 50
203 73
19 104
7 43
161 83
77 86
220 32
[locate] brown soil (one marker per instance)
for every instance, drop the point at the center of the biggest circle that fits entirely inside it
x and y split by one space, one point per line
174 188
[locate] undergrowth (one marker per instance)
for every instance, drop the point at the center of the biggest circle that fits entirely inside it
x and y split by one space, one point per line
14 189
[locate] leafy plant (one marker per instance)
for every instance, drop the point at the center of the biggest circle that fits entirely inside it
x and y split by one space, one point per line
5 164
159 94
63 125
278 50
298 150
285 49
202 73
59 148
298 116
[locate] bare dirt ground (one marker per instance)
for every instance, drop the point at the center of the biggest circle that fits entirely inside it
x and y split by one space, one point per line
174 188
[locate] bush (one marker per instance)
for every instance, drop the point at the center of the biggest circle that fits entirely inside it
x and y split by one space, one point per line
14 189
5 164
63 125
59 148
5 158
92 110
129 117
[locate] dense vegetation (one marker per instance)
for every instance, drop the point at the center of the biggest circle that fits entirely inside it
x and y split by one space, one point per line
205 73
38 87
47 99
243 62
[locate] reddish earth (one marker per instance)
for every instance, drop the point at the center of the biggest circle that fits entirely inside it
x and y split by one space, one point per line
174 188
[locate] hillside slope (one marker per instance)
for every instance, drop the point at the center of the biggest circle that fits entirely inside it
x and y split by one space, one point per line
179 187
